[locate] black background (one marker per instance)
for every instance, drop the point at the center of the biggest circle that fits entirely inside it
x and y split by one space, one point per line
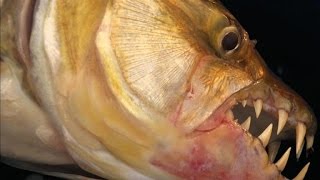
288 35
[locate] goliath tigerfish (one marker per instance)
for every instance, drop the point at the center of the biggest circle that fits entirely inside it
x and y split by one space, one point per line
141 89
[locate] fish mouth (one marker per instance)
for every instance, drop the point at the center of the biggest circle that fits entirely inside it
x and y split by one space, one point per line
269 114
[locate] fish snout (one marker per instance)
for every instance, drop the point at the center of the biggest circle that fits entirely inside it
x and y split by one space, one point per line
272 112
246 129
270 101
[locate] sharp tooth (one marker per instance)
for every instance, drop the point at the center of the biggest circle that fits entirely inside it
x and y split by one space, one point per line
244 103
310 140
273 150
300 151
300 133
246 124
258 106
265 135
302 173
281 163
283 117
229 114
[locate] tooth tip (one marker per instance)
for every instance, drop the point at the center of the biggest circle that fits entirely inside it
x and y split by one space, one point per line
246 124
298 154
282 162
265 135
310 140
300 134
303 172
307 165
244 103
230 115
258 107
283 117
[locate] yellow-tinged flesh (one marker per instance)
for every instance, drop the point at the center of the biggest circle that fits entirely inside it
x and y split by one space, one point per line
93 109
100 165
77 21
125 138
113 76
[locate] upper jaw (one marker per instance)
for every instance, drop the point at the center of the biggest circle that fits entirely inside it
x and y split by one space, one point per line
289 112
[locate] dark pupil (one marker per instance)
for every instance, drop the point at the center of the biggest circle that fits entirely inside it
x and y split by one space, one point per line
230 41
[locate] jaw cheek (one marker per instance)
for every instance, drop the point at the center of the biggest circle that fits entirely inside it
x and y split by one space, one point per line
225 152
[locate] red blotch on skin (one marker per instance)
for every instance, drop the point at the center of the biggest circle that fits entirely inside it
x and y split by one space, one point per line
203 156
194 164
192 160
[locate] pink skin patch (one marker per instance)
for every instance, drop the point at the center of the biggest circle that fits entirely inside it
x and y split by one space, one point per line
192 163
223 153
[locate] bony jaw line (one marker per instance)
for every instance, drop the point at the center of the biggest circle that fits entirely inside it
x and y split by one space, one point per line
265 136
284 109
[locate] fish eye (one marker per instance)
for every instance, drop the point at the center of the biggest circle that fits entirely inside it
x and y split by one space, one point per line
230 41
225 40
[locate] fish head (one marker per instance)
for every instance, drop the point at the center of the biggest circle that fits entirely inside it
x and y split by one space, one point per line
234 106
162 89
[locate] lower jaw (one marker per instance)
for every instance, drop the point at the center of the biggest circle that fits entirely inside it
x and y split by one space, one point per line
226 158
227 152
261 138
